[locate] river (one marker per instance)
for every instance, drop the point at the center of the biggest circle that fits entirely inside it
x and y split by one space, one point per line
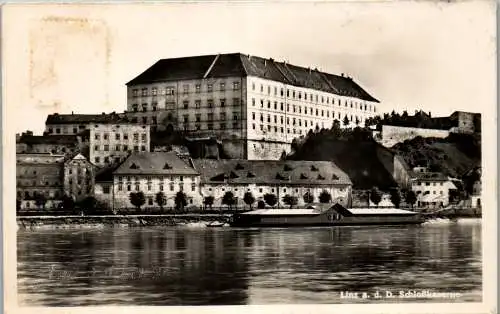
220 266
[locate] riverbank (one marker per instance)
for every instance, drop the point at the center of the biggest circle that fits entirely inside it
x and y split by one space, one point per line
65 222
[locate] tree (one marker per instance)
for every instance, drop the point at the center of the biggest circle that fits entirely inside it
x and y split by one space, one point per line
180 201
208 201
308 198
249 199
67 203
261 204
229 199
88 204
325 197
270 199
395 197
40 200
290 200
411 198
160 199
375 196
137 199
345 121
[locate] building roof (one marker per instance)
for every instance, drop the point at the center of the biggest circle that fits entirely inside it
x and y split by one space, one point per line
57 118
239 171
106 174
237 64
49 139
155 163
429 176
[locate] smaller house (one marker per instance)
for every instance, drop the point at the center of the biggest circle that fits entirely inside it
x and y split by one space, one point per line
78 177
150 173
432 188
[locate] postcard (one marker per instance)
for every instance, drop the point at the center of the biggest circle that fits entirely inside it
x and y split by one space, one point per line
250 156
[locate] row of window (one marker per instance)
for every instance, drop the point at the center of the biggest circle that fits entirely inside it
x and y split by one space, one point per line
290 93
295 121
210 103
150 179
210 117
75 130
186 89
108 159
428 183
428 192
120 148
296 108
198 126
261 190
119 136
149 187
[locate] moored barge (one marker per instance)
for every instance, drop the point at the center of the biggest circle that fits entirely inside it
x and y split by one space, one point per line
336 215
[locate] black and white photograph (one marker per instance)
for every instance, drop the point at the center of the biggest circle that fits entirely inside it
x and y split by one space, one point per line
175 154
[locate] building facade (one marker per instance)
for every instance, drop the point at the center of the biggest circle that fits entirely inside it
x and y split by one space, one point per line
79 177
151 173
73 124
39 173
280 178
56 144
432 188
112 142
257 106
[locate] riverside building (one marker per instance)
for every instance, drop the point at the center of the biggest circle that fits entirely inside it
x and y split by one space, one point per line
256 106
280 178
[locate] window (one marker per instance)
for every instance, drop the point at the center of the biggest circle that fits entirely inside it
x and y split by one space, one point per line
125 148
210 126
105 189
275 105
222 86
197 104
253 101
118 147
125 136
222 126
186 118
185 89
150 200
97 160
236 85
223 102
97 136
198 117
210 103
185 104
235 125
75 130
193 187
154 106
198 88
96 147
144 107
106 148
136 148
210 87
253 86
236 101
135 93
117 136
223 116
269 90
144 92
268 118
145 120
253 126
281 106
253 115
143 148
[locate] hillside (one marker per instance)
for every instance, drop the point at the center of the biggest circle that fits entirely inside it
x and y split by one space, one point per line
355 152
355 155
453 155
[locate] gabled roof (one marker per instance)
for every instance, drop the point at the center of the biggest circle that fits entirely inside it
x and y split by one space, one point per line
240 65
155 163
57 118
238 171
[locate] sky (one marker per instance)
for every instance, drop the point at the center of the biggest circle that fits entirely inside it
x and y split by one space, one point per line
438 57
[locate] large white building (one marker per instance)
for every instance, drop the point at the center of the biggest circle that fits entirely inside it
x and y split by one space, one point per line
149 173
432 188
256 106
280 178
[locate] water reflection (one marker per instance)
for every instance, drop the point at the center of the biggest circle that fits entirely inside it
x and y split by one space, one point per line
176 266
